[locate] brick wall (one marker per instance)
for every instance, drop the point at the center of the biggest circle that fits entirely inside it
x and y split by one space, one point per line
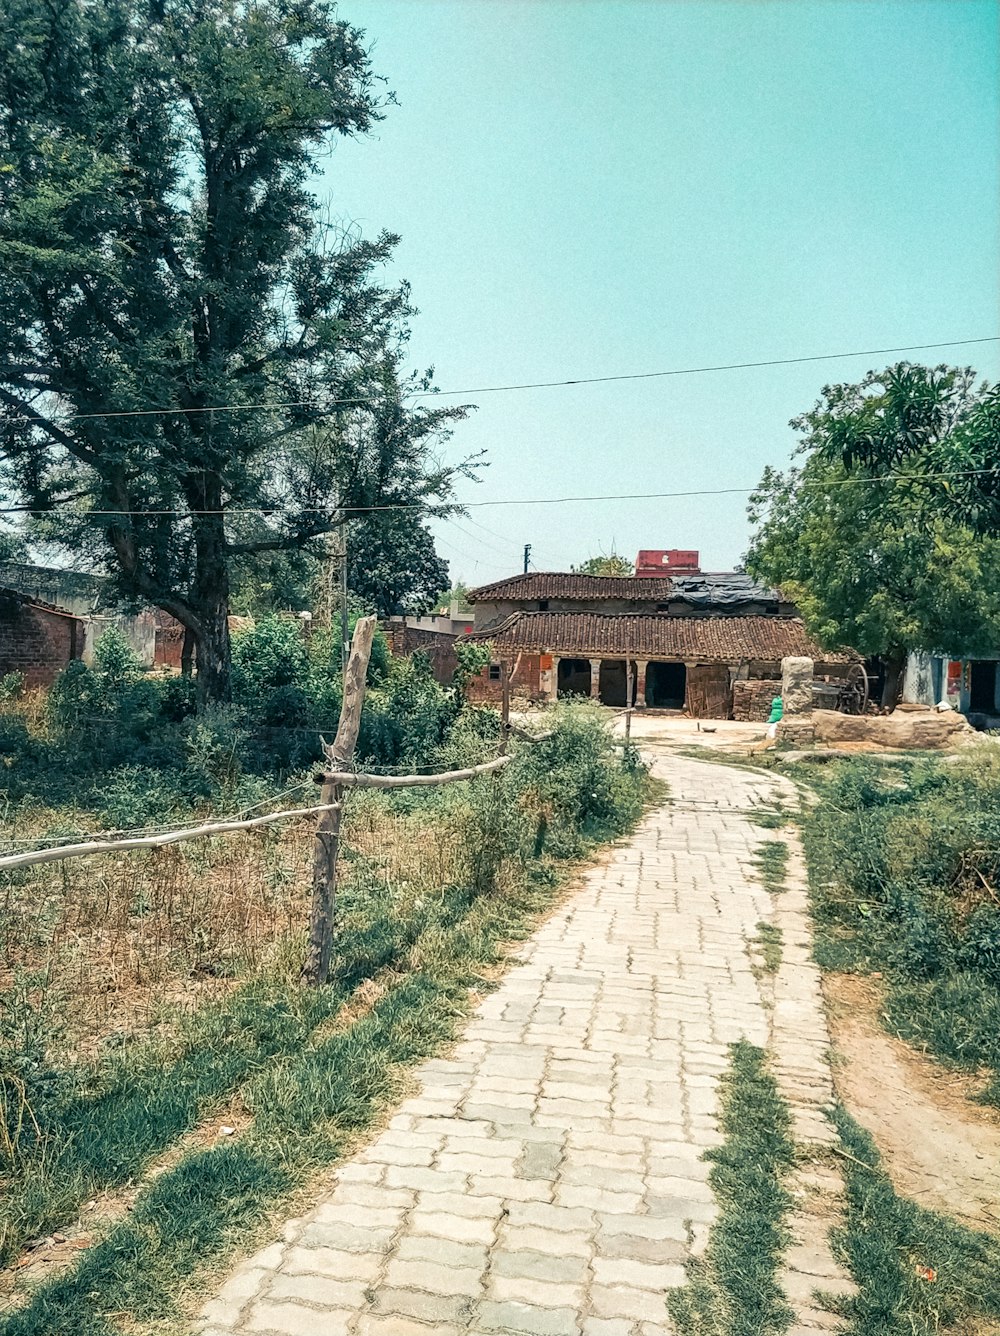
35 641
525 683
752 700
439 647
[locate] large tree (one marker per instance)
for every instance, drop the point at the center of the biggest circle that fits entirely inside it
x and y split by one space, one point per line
194 369
881 563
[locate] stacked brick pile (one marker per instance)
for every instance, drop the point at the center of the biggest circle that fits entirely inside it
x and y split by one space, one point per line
752 700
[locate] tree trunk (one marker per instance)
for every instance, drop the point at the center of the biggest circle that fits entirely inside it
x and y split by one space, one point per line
895 669
210 598
187 652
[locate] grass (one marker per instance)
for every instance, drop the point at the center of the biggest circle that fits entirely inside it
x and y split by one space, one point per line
733 1290
904 865
769 940
771 860
771 818
893 1247
435 885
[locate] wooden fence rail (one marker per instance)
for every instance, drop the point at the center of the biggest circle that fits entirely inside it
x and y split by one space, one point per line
334 781
64 851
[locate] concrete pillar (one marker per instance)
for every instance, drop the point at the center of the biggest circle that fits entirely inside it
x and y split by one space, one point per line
640 683
796 725
554 678
796 686
595 679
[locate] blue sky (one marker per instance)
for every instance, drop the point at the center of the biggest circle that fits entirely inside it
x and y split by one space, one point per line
594 188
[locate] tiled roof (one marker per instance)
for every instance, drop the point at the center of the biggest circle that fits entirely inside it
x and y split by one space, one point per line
689 639
706 589
557 584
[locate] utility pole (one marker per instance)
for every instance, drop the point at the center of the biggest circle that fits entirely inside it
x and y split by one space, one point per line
527 556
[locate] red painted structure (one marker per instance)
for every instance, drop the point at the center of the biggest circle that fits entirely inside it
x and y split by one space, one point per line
667 561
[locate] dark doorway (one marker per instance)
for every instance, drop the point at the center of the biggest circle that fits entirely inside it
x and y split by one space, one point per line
613 682
666 684
983 686
574 677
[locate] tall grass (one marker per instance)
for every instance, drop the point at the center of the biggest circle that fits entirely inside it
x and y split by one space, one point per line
435 883
904 864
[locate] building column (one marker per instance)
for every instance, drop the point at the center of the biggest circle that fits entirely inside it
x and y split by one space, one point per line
595 679
640 683
553 692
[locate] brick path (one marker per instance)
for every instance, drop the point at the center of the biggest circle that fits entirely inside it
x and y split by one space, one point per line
547 1178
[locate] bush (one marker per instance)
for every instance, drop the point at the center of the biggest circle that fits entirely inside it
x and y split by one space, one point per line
905 870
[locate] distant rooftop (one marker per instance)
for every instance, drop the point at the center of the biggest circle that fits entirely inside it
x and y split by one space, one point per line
705 589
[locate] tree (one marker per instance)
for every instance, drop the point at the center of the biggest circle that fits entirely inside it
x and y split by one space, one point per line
874 563
612 564
162 260
12 545
392 565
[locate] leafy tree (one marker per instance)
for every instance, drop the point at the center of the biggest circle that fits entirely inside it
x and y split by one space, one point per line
876 564
935 422
392 565
612 564
160 250
12 545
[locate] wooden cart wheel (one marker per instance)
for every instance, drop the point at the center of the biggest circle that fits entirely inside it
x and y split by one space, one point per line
856 690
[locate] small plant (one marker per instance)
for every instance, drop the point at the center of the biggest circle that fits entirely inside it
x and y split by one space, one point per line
733 1290
772 860
769 940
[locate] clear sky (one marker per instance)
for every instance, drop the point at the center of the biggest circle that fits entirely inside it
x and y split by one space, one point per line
593 188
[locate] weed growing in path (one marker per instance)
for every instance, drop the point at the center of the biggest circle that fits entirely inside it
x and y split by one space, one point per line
917 1272
733 1290
769 940
771 859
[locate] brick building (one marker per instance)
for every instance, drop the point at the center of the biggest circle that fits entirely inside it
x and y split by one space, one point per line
689 636
36 640
678 663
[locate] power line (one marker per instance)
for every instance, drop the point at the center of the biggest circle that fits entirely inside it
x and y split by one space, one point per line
333 404
853 480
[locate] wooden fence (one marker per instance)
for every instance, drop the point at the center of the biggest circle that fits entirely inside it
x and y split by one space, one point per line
334 780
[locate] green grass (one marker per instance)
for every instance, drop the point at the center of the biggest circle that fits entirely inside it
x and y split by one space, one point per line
308 1086
886 1238
129 1109
771 860
769 940
771 818
733 1290
904 865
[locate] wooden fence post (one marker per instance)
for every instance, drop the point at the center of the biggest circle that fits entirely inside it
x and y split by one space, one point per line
327 838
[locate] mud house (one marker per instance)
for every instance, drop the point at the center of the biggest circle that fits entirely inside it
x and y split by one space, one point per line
687 637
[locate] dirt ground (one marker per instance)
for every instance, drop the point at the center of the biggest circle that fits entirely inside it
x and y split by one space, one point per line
940 1149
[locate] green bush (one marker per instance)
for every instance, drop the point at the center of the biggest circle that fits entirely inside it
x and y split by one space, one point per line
905 868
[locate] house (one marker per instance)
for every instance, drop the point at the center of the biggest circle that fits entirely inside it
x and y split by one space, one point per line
687 638
678 663
36 640
155 636
717 594
971 685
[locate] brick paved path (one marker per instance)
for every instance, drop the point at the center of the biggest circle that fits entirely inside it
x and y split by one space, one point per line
547 1178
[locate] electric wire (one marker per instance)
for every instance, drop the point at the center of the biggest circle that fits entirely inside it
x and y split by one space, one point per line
333 404
348 511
